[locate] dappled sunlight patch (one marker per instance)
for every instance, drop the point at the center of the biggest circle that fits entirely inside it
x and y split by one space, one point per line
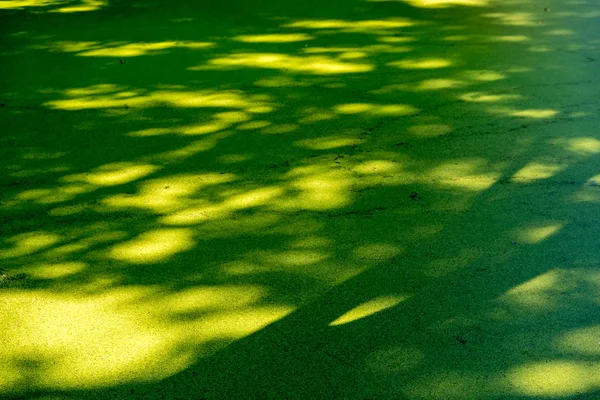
123 335
589 192
86 341
583 341
542 293
274 38
29 243
84 6
166 194
436 84
483 75
327 143
375 109
316 188
196 215
254 125
530 114
584 146
252 198
424 63
293 258
509 38
482 97
208 298
364 26
396 39
430 130
439 3
233 324
120 49
358 52
107 96
154 246
369 308
466 174
555 378
55 195
513 18
114 174
377 167
533 113
538 233
54 270
12 4
219 122
394 360
317 65
536 171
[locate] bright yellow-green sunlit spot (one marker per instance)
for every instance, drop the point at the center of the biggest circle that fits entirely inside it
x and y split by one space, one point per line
536 114
166 194
119 335
583 341
54 271
536 171
513 18
317 187
371 307
555 379
537 234
114 174
154 246
107 96
540 294
293 258
55 195
439 3
9 4
317 65
85 5
466 174
584 146
377 167
482 97
425 63
120 49
365 26
437 84
326 143
510 38
274 38
29 243
375 109
484 75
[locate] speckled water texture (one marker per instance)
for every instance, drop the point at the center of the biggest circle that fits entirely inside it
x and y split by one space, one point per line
265 199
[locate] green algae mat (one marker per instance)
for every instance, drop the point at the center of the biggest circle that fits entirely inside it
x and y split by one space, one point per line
357 199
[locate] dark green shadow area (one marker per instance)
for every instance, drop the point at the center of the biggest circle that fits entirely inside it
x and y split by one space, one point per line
299 200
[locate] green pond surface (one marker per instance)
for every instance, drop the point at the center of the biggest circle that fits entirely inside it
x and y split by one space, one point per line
263 199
